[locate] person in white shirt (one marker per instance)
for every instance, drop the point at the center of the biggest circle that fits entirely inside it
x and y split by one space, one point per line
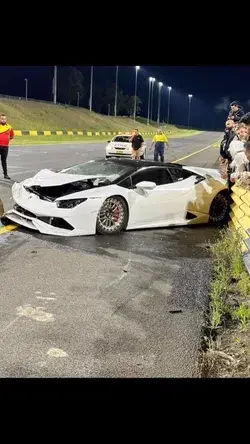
236 150
239 160
237 144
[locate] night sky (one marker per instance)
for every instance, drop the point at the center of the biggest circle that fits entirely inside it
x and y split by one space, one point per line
213 87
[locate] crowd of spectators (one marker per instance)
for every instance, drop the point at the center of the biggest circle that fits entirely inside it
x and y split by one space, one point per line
235 147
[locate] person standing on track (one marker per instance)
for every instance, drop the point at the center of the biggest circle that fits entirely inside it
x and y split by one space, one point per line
137 141
159 141
6 135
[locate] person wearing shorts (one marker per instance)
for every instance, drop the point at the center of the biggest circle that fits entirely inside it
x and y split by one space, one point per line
137 141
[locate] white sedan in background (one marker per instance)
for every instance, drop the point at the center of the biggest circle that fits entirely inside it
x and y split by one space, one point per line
120 146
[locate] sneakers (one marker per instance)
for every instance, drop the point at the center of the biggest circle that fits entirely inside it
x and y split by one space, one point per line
7 177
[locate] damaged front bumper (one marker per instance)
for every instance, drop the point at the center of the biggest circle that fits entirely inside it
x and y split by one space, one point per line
36 214
46 225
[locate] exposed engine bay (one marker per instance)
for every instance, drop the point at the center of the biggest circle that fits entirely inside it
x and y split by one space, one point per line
52 193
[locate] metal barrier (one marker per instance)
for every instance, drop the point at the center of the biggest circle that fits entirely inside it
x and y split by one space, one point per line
35 133
240 218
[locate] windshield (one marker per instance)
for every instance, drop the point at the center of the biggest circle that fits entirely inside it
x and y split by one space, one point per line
122 139
101 168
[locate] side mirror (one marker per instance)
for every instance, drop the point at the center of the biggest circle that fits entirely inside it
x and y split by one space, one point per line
108 141
146 185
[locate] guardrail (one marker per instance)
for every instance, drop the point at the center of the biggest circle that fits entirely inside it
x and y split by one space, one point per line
73 133
240 219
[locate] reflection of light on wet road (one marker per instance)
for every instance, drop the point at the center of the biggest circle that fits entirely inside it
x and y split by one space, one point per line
168 242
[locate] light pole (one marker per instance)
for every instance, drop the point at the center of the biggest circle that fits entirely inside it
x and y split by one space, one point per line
149 89
91 88
109 109
78 98
189 108
116 88
55 84
152 97
159 103
26 89
169 92
136 74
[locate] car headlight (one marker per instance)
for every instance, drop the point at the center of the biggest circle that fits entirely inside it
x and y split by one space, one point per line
70 203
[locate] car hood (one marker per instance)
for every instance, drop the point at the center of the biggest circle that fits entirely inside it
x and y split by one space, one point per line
48 178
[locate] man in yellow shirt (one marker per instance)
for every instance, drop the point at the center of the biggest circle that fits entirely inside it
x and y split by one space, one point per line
159 141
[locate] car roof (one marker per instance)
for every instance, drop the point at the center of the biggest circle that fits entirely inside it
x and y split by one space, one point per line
123 134
136 164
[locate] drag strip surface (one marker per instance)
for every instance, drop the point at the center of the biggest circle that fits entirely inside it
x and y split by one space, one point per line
103 306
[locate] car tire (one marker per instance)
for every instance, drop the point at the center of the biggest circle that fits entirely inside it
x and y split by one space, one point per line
219 209
5 221
115 211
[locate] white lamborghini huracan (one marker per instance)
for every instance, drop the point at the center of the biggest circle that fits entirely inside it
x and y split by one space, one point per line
107 196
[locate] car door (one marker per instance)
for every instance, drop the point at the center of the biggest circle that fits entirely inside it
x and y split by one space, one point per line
181 190
149 206
187 184
165 204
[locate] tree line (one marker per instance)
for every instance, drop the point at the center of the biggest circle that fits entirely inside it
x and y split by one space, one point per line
72 90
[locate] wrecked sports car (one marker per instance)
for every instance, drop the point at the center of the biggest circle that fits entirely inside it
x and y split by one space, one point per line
108 196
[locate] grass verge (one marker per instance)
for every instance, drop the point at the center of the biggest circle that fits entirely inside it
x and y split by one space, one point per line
226 341
36 115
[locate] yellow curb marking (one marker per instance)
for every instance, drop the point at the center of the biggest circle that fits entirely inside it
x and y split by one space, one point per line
7 228
193 154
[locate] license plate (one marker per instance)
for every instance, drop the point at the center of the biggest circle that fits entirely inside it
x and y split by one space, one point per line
119 152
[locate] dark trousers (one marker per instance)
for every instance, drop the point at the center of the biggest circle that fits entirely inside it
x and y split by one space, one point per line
4 154
159 151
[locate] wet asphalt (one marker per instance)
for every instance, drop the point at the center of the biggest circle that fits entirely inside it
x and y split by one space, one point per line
130 305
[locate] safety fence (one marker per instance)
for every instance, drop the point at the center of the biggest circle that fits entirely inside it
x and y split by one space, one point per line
72 133
240 218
